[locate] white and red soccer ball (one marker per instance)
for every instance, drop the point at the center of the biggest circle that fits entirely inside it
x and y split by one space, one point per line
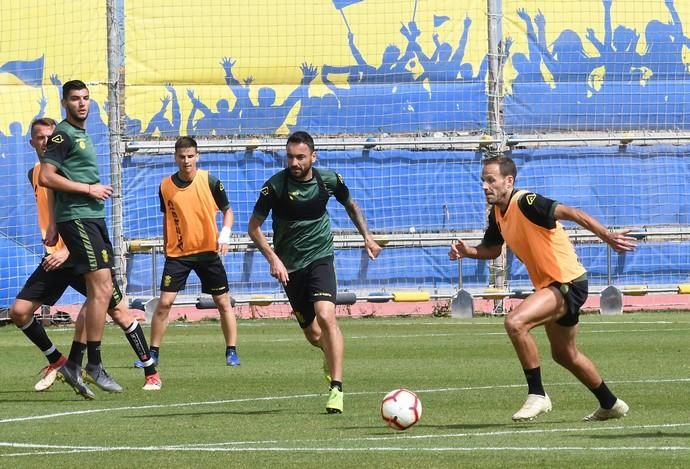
401 409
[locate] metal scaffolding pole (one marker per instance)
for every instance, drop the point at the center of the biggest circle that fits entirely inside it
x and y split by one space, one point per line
114 17
494 93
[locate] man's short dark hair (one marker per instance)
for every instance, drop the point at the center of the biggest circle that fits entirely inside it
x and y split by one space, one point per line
44 121
73 85
301 137
506 166
185 142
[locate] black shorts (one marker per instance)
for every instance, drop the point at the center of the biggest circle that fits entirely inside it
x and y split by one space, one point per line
315 282
575 294
88 243
47 286
211 272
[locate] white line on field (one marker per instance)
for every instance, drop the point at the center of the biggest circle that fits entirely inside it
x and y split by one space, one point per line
311 395
309 449
155 406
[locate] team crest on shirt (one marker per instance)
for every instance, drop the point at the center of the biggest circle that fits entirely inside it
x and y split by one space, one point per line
104 255
82 145
57 139
531 198
340 178
222 187
264 191
167 280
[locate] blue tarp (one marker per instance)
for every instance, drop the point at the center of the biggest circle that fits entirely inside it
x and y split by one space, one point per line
432 191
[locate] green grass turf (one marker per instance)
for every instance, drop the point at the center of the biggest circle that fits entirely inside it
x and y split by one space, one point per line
270 411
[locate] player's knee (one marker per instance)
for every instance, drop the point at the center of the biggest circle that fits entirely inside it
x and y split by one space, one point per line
514 326
101 293
165 304
326 317
20 317
121 316
564 356
223 303
314 340
313 334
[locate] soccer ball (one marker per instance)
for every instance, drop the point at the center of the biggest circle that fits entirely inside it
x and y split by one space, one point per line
401 409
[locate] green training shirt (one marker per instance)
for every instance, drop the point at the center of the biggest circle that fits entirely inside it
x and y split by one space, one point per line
304 236
72 152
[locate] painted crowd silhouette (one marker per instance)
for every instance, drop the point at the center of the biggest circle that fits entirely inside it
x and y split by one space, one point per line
555 86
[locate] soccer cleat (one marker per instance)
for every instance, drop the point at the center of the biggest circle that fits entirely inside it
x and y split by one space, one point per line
334 405
70 373
154 355
534 405
97 375
49 374
153 383
231 358
620 409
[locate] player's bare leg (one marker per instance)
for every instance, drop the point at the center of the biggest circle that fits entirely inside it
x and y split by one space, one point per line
228 324
159 322
333 346
565 352
22 315
543 306
313 334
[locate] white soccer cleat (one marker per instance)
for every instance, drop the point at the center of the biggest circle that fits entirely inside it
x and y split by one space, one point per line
620 409
49 375
534 405
153 383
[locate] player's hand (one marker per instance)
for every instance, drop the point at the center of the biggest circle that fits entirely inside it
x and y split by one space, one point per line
55 260
223 248
52 235
620 241
458 250
373 248
100 191
279 271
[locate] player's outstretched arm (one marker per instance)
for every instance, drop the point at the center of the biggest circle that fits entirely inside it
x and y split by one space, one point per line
619 241
460 249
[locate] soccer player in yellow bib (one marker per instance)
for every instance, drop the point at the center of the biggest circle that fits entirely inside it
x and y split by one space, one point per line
189 200
529 224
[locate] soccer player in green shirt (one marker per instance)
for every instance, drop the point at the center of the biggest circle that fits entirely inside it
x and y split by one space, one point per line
301 258
70 168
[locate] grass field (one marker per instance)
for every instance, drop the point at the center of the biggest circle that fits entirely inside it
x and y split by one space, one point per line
270 411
